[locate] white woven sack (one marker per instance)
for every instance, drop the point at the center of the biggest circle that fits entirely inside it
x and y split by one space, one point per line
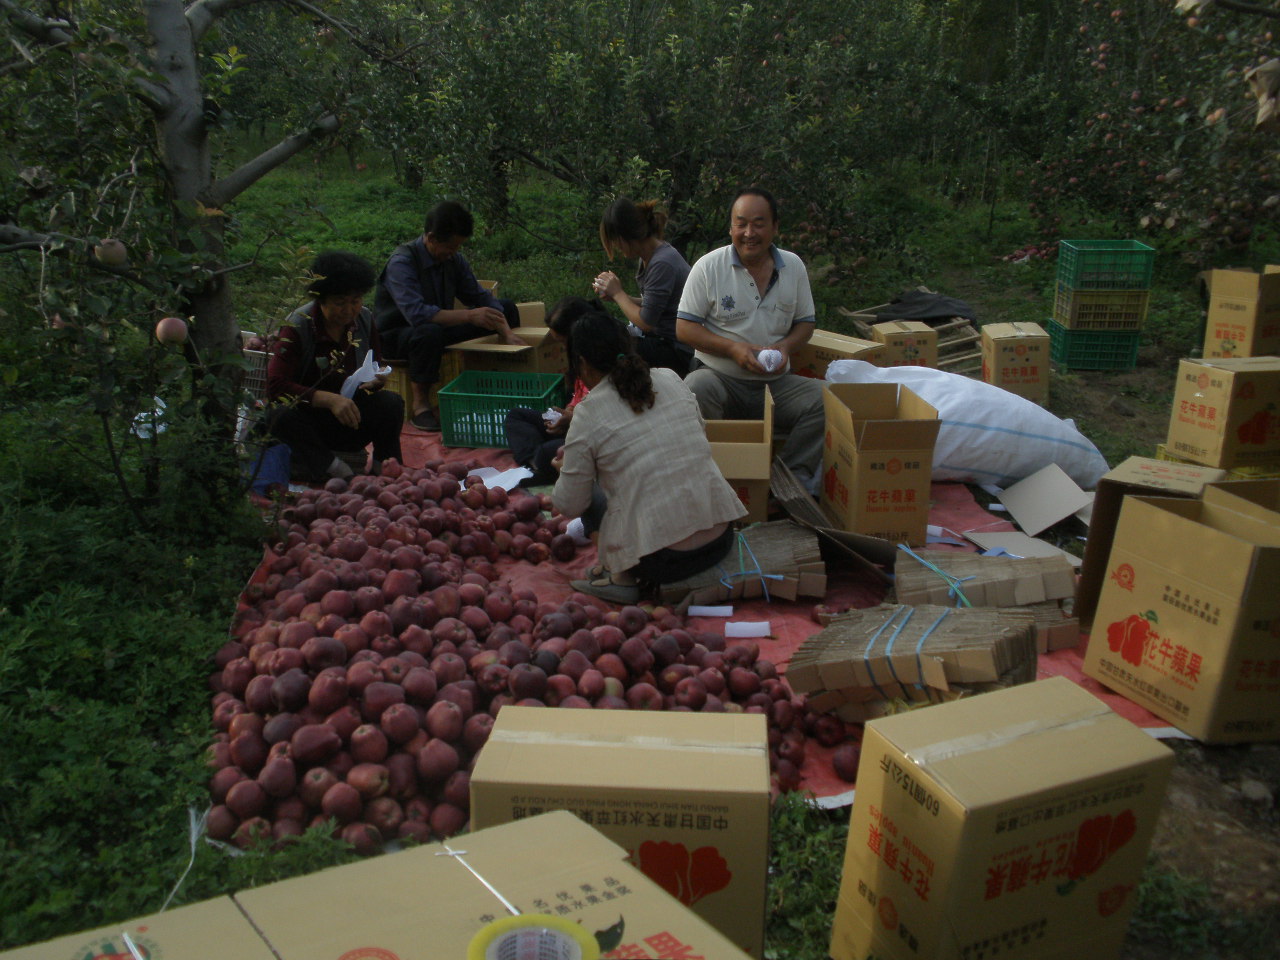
988 435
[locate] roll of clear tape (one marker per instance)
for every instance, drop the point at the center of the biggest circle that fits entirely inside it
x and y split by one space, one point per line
533 936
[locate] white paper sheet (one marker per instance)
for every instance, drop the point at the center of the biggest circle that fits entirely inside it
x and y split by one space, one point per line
747 628
369 370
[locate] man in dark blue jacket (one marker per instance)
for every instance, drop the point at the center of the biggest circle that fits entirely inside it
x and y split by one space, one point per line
415 304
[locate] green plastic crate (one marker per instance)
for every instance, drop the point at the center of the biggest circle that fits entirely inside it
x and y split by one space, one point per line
1100 309
1105 264
1092 349
475 404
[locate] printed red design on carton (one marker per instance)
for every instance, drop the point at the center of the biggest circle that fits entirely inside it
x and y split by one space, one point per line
1129 636
686 877
1109 901
1123 576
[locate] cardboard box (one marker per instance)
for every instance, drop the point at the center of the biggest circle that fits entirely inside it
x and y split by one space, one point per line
907 343
811 359
1188 622
424 903
1244 313
211 930
1011 825
1226 413
877 460
1015 356
1259 499
542 352
687 794
1140 475
743 450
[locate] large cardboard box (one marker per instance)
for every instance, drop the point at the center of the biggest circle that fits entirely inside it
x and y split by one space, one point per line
1188 623
812 358
743 450
907 343
1244 313
426 902
687 795
1011 825
542 352
1226 413
877 460
1015 356
211 930
1141 475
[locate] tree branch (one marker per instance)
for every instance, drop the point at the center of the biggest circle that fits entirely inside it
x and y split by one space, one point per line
349 32
236 182
1253 9
202 14
46 31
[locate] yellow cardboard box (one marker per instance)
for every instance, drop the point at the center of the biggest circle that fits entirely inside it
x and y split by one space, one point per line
1244 313
877 460
542 352
811 359
1011 825
1141 475
1188 622
907 343
743 450
1015 356
211 930
687 795
1226 413
426 902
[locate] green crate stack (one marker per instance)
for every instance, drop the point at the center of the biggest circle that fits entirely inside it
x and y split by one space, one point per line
1092 349
1100 303
474 406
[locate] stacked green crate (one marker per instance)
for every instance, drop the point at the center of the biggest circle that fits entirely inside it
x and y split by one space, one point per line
1103 291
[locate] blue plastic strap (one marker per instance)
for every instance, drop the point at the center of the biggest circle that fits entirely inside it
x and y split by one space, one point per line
727 578
888 650
866 654
953 583
920 644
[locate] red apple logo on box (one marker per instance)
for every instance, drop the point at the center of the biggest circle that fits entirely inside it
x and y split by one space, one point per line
687 877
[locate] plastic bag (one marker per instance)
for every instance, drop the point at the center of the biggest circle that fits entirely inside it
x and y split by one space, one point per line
988 435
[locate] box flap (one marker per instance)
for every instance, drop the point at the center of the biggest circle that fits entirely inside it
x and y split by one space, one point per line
1244 284
1042 499
1259 499
1015 330
209 930
616 749
1018 741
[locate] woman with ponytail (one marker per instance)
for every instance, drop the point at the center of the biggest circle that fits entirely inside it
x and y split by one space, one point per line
635 230
639 435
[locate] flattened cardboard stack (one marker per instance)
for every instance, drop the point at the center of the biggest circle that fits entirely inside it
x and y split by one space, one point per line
781 558
985 581
866 660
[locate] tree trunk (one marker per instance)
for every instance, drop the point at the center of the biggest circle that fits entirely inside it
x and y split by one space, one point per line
184 150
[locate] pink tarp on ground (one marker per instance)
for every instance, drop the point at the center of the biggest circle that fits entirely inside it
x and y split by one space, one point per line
953 508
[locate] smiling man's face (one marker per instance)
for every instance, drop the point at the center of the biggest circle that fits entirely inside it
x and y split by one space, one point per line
752 228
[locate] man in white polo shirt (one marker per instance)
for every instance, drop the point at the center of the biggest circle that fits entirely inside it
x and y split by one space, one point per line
742 300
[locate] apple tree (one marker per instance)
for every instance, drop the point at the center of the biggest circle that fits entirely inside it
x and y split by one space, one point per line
1166 140
115 201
